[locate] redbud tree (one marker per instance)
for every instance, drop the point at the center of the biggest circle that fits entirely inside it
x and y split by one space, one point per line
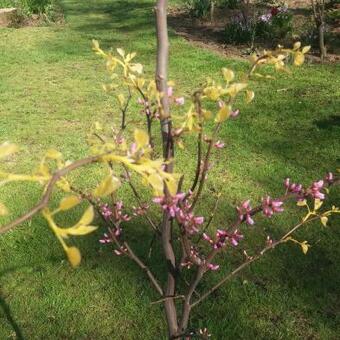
191 243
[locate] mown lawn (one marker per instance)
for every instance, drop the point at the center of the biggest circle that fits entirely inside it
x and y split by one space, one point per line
50 94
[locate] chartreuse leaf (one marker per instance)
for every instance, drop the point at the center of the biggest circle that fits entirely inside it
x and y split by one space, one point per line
7 149
80 230
223 114
69 202
299 58
156 182
249 96
324 220
87 217
141 138
305 247
53 154
107 186
74 256
3 210
317 204
228 74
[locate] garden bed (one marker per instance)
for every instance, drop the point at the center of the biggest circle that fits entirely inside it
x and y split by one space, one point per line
213 35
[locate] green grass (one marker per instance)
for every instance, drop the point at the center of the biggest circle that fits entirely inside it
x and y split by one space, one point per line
50 94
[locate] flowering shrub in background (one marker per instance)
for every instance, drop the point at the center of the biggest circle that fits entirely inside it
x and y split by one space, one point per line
273 23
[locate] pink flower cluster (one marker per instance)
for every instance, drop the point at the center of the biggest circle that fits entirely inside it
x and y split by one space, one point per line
315 188
177 100
179 208
293 188
270 206
222 237
244 212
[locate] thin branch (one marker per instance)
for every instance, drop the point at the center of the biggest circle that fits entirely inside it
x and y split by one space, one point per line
138 199
205 166
48 191
152 278
283 239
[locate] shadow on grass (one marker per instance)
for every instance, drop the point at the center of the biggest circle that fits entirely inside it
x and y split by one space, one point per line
6 308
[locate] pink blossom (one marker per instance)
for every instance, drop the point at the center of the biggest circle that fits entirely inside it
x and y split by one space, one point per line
293 188
244 212
180 101
219 145
329 177
170 204
213 267
140 101
106 239
170 91
269 206
235 113
315 190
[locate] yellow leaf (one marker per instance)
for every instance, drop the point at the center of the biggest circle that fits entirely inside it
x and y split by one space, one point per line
121 99
121 52
3 210
249 96
156 182
304 246
88 216
80 230
212 92
64 185
141 138
223 114
301 203
172 185
107 186
299 59
206 114
324 220
228 74
7 149
53 154
95 44
234 89
138 68
317 204
297 45
74 256
306 49
69 202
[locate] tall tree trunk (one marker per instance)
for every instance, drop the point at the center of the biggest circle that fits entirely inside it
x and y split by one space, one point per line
168 152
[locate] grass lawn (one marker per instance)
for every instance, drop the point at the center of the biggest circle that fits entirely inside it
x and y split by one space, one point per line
50 94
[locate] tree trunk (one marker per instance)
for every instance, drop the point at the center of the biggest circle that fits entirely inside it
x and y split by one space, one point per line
322 47
168 153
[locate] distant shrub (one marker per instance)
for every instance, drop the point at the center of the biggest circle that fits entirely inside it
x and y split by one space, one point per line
274 24
48 8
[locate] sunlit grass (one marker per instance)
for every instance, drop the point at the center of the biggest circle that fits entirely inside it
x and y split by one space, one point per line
50 94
